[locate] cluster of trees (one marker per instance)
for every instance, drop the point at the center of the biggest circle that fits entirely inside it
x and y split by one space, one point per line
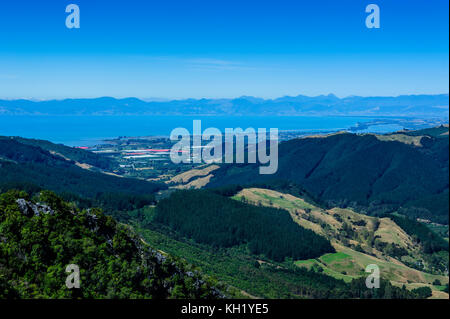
431 242
422 292
390 249
228 190
223 222
386 290
35 249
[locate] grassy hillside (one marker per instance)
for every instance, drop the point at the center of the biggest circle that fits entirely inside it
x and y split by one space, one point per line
359 240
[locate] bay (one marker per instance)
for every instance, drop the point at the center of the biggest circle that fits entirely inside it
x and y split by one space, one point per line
90 130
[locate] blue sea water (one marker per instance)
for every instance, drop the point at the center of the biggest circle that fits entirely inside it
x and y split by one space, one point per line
89 130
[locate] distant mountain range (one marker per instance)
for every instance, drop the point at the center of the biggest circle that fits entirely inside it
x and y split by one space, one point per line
330 105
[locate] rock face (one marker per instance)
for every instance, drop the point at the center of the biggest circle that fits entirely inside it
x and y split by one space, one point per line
30 209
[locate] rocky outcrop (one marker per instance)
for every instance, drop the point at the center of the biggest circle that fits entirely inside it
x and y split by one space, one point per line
31 209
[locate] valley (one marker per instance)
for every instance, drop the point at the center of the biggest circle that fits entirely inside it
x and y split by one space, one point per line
307 232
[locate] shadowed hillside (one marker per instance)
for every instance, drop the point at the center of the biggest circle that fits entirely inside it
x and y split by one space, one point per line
32 168
360 171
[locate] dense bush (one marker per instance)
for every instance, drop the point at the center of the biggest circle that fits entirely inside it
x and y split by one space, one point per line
422 292
37 242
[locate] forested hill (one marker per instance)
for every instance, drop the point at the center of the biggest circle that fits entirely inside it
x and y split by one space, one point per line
26 166
407 171
39 238
70 153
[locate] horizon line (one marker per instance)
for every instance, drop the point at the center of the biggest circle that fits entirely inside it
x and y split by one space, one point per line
163 99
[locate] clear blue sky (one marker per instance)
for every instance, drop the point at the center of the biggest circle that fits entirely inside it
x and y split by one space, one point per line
222 48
